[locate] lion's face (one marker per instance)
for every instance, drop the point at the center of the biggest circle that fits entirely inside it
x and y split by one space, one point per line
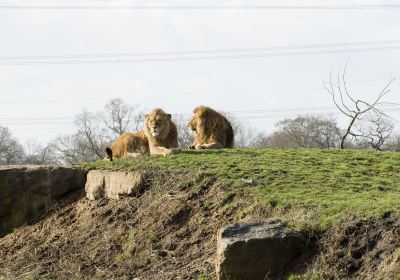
158 124
193 124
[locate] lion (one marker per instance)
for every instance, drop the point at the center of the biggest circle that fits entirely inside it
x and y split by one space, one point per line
128 145
161 133
211 129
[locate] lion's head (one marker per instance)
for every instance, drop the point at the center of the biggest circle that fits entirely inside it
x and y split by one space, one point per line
158 123
200 120
193 124
211 129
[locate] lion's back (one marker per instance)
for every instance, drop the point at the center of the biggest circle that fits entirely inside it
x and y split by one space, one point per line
130 143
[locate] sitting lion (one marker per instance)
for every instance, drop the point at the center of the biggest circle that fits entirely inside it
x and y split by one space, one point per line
211 129
161 133
128 145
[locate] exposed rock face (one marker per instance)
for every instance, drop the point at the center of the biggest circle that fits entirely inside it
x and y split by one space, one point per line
113 184
27 191
254 250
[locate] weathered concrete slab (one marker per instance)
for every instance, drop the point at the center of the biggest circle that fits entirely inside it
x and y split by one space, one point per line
256 250
113 184
27 191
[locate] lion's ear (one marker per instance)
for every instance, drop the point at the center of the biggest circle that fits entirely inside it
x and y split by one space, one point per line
169 116
146 116
200 111
195 110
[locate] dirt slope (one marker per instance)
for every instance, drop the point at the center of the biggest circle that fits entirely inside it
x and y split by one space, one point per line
169 233
361 249
164 234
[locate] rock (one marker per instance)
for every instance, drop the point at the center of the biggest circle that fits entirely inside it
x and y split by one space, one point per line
27 191
253 182
94 186
113 184
256 250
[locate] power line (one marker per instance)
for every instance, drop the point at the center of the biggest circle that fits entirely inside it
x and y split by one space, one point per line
198 58
241 115
199 7
201 52
276 110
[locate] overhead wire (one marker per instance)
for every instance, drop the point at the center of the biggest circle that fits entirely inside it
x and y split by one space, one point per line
201 52
199 7
241 115
198 58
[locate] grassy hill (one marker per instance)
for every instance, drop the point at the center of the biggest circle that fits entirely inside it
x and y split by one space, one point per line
306 187
346 202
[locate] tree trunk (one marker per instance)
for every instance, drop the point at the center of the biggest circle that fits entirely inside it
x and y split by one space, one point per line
343 138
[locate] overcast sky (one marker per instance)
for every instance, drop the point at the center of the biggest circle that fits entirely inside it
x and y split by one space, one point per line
39 100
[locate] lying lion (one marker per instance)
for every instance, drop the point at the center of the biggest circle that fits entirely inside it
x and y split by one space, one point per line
128 145
211 129
160 137
161 133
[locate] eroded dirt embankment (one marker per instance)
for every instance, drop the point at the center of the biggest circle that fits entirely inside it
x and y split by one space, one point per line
360 249
27 191
169 232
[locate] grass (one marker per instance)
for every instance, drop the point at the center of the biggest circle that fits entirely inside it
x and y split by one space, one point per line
321 186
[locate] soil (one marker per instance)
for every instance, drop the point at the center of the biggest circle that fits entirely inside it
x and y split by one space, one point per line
163 234
360 249
169 232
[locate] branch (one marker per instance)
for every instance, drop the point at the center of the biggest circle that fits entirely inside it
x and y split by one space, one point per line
341 94
384 91
345 84
332 93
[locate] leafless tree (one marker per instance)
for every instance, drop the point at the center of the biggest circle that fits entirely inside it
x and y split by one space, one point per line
91 132
244 134
304 131
73 148
87 144
95 131
36 153
11 152
375 131
121 117
353 108
393 143
185 137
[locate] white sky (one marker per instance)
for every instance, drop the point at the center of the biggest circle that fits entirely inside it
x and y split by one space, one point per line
47 91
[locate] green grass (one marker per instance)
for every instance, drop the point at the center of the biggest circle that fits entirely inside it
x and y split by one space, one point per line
321 186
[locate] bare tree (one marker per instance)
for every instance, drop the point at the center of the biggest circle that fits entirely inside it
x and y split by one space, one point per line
185 137
260 140
304 131
73 148
11 152
91 133
95 131
353 108
244 134
375 132
87 144
36 153
121 117
393 143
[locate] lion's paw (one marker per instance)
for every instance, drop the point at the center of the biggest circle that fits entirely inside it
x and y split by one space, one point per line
175 151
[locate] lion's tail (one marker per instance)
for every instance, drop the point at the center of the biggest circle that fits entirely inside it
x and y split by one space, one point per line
230 137
109 153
